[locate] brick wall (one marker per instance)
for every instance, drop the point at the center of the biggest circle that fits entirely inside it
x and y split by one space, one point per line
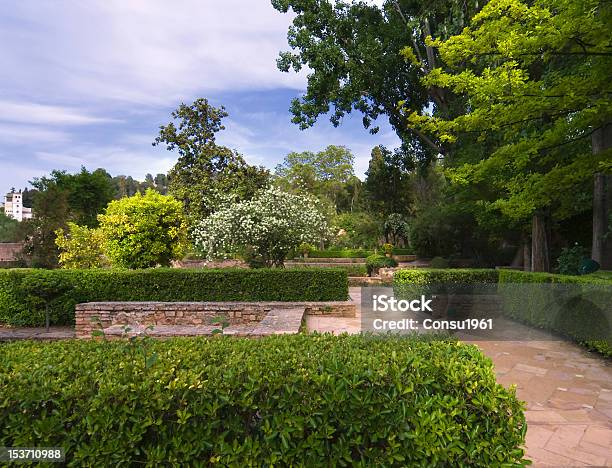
191 313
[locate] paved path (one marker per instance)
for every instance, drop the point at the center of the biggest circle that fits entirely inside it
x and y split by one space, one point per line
567 390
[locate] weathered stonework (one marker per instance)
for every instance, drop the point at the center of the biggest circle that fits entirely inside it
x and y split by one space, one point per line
242 317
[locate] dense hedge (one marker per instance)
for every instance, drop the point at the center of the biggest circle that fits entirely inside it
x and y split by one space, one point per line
423 277
578 307
317 400
19 306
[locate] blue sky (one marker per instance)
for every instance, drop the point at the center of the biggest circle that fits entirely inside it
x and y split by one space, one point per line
89 82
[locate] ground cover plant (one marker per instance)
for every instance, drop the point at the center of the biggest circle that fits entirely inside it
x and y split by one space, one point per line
287 400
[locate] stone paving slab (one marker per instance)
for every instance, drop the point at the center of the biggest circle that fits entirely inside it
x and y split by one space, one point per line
280 322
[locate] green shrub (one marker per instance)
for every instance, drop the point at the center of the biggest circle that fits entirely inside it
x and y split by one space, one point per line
570 259
343 253
301 400
375 262
438 263
577 307
164 284
408 283
387 248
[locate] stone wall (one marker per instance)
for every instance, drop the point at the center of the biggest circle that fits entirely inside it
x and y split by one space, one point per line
9 251
94 315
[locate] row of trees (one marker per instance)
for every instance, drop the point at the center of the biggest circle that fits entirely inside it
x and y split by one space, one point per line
509 100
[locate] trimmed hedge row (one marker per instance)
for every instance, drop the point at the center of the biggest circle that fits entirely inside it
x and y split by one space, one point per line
578 307
20 305
424 277
316 400
580 311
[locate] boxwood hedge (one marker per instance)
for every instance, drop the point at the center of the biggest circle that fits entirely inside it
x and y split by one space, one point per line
316 400
20 306
578 307
580 311
423 277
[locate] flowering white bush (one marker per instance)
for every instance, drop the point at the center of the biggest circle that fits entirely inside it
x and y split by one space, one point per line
272 223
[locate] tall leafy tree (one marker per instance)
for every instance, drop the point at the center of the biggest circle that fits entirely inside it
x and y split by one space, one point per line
51 212
326 174
537 79
387 184
88 193
206 174
352 50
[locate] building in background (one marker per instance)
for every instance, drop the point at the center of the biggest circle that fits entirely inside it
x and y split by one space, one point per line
13 206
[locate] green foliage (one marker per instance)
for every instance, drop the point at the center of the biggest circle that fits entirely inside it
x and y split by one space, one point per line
279 401
206 176
305 248
81 247
387 248
570 259
424 277
356 230
9 229
387 183
165 285
536 79
579 304
344 253
323 174
376 261
438 262
396 229
51 212
87 193
144 230
353 53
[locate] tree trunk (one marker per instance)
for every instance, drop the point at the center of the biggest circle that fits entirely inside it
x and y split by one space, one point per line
602 204
540 260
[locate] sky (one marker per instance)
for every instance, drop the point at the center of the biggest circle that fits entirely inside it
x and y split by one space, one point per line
88 83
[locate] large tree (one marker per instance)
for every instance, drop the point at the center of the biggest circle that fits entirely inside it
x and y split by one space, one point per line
537 80
206 175
387 183
88 192
327 174
352 51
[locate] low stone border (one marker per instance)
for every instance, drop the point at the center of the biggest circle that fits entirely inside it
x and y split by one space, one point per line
92 316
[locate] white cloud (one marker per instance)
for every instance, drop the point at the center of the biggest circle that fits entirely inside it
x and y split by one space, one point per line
143 51
114 158
33 113
27 134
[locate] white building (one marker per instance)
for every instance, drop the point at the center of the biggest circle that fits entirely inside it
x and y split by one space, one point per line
13 207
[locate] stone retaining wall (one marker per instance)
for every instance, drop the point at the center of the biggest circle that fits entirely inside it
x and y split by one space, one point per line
95 315
9 251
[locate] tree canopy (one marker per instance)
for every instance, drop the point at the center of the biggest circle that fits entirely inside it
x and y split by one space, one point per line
206 175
